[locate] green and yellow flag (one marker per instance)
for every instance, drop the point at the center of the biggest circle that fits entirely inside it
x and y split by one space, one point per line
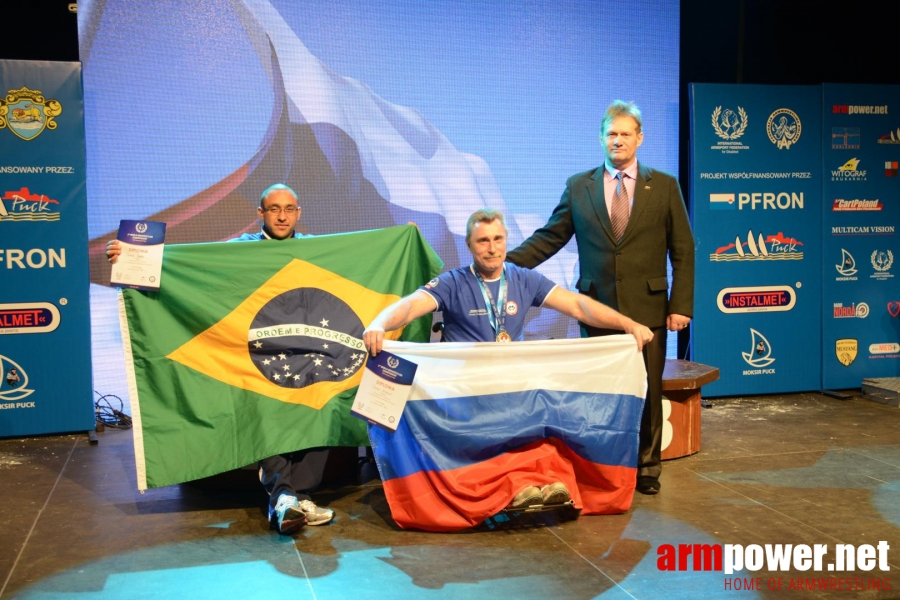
255 349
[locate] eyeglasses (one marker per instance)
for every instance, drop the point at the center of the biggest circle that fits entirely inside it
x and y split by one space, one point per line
274 210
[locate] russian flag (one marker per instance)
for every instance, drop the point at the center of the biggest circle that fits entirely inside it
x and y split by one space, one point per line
485 420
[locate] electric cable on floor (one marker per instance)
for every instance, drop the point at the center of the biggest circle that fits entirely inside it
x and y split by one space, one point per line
107 415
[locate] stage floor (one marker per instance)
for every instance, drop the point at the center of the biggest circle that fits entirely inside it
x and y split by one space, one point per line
782 469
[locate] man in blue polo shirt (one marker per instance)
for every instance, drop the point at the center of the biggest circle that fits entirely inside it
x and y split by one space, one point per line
487 301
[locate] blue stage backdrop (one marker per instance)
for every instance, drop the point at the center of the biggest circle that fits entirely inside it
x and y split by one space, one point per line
376 113
861 293
756 205
45 360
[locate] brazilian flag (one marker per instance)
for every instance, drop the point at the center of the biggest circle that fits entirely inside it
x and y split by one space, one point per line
254 349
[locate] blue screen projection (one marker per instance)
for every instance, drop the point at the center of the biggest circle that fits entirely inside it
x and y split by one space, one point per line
376 113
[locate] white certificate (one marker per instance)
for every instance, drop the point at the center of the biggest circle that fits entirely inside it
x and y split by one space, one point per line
384 390
139 265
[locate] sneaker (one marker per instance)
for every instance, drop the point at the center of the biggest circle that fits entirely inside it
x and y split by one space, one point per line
314 514
555 493
287 516
526 498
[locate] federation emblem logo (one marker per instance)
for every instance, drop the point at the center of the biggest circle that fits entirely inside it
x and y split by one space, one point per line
511 307
432 284
27 113
760 354
783 128
728 124
845 350
141 228
13 381
847 268
893 308
304 336
393 362
882 260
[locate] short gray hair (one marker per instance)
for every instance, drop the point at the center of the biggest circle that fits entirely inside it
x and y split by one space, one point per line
484 215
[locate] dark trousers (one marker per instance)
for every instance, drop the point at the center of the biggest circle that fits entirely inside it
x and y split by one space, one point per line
650 439
295 473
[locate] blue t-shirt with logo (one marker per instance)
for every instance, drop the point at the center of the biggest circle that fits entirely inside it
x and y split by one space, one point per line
458 295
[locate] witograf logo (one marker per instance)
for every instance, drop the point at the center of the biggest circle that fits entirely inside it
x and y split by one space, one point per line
305 336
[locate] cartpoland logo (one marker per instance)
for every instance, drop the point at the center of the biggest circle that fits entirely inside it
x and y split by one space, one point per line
773 558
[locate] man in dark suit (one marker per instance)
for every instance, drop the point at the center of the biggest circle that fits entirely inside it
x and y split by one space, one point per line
627 218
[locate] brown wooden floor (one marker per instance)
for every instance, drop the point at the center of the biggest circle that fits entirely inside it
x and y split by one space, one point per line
791 469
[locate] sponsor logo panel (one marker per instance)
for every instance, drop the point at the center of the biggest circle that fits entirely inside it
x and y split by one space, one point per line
892 137
14 386
849 171
772 247
729 124
882 261
845 350
769 298
856 205
22 205
784 128
845 138
846 268
760 355
33 317
26 113
854 310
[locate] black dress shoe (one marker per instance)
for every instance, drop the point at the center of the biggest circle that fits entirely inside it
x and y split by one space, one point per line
647 485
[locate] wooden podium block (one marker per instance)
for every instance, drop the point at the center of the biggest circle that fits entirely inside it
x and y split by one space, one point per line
682 381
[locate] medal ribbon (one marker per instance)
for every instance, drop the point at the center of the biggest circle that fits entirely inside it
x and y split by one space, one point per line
497 313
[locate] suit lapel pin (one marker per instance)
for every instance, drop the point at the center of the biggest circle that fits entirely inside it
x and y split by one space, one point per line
646 187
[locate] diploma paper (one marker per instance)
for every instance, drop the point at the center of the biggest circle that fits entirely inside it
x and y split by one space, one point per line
140 264
384 389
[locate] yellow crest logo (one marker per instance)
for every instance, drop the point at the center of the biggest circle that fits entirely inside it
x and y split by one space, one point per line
846 350
27 113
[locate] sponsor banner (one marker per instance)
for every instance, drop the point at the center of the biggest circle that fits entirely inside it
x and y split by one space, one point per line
44 300
859 239
756 205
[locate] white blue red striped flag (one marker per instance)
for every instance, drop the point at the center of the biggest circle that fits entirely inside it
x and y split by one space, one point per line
485 420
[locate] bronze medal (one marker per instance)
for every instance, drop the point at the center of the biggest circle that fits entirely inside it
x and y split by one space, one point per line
503 337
